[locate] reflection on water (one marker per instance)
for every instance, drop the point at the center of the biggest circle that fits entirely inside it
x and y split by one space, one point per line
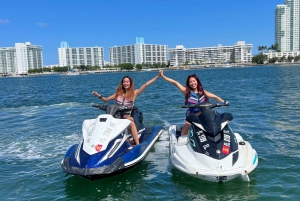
196 189
121 186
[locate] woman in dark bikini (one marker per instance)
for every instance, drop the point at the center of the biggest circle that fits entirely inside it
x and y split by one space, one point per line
194 94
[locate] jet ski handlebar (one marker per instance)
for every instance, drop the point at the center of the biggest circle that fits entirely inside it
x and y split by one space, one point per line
113 109
204 105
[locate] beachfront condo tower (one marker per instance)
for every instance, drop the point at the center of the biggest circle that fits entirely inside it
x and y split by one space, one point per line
138 53
75 57
287 26
20 59
238 53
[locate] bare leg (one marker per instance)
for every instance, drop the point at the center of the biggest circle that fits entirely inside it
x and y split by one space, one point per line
185 128
187 125
134 131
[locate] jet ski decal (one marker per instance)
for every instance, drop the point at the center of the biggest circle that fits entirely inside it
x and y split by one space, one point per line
225 149
191 134
226 144
98 147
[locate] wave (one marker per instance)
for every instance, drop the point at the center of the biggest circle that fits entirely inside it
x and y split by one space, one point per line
65 104
37 147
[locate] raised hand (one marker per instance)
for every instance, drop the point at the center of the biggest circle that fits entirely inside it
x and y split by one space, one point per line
95 93
161 72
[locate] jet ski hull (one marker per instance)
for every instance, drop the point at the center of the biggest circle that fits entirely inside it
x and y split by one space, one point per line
119 157
239 163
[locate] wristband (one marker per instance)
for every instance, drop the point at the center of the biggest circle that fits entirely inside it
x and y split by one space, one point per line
100 96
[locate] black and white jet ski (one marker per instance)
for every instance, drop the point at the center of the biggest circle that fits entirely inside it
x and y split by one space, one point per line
107 147
211 151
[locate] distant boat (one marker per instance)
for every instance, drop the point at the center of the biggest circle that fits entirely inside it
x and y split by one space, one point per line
16 75
72 73
227 65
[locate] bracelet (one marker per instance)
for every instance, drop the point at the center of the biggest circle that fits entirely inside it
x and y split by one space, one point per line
100 96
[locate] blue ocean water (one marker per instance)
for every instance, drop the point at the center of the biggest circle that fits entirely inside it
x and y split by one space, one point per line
41 117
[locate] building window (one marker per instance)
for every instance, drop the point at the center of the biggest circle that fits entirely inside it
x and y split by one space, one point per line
148 48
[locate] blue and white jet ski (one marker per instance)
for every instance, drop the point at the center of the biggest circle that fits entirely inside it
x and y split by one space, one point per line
211 151
107 147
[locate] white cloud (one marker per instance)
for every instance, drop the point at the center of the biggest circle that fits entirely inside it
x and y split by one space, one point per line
4 21
42 24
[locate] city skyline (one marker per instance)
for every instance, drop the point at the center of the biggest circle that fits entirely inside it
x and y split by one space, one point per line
118 23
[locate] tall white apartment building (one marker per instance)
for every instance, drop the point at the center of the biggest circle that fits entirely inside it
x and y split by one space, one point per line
8 60
21 58
287 26
138 53
240 52
73 57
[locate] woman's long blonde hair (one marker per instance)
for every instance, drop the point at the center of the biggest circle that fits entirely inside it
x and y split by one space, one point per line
121 90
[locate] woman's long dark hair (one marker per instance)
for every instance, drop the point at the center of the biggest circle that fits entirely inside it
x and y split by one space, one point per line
188 88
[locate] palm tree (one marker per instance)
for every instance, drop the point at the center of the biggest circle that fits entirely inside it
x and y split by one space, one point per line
265 47
271 48
290 58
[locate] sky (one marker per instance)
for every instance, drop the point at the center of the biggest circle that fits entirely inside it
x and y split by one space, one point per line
108 23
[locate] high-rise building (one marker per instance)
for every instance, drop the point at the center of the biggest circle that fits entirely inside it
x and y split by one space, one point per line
73 57
8 60
138 53
21 58
287 26
240 52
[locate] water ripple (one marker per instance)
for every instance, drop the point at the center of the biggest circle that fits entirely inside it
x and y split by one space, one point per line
41 117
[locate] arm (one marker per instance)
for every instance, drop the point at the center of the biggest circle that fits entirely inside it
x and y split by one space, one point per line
177 84
217 98
112 97
142 88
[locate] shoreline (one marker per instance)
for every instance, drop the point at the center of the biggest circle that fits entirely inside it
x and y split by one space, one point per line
203 66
